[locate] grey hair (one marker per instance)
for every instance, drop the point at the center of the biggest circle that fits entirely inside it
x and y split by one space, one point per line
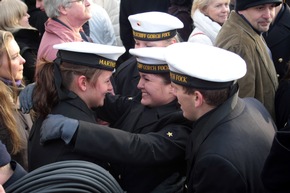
52 7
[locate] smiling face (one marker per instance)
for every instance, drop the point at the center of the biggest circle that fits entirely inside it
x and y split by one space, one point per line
155 92
11 66
260 17
217 10
98 90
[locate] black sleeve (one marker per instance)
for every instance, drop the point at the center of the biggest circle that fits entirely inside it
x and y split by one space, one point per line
115 145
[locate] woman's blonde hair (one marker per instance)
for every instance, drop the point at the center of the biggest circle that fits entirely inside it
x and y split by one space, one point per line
7 119
5 38
199 4
8 98
12 11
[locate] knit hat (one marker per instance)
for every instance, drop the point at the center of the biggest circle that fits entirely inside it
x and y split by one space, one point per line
245 4
4 155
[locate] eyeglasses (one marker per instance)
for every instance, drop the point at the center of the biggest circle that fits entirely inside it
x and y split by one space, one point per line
82 1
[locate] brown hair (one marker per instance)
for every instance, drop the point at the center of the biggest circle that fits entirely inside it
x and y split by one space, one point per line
212 97
45 95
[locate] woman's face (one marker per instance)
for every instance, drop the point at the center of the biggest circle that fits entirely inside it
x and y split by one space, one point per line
154 90
99 89
16 61
24 22
218 10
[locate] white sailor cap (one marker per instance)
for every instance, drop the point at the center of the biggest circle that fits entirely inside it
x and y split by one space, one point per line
154 26
89 54
150 60
202 66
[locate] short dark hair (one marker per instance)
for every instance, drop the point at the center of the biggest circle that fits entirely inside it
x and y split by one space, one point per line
211 97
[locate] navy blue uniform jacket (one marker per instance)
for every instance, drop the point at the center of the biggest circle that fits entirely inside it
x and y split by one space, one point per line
139 162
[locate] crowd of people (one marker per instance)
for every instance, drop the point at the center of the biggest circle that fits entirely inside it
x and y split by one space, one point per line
141 96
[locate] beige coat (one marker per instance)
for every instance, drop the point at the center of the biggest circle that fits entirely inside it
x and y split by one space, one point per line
260 80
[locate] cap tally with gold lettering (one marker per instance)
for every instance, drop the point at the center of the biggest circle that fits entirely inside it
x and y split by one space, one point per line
150 60
89 54
202 66
154 26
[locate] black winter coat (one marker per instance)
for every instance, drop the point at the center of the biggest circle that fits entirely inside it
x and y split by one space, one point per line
147 147
278 41
57 150
228 147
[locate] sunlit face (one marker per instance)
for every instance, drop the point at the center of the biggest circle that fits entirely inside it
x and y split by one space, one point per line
143 44
79 12
260 17
218 10
24 22
16 60
97 91
39 4
154 90
186 102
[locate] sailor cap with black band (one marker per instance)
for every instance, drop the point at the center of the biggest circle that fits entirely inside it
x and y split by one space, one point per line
150 60
202 66
89 54
154 26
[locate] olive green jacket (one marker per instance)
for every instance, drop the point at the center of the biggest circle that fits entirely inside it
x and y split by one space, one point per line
260 81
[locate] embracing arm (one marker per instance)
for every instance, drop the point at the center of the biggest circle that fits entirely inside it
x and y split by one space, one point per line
111 144
117 145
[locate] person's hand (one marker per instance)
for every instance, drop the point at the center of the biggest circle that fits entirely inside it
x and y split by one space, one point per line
25 98
173 184
58 127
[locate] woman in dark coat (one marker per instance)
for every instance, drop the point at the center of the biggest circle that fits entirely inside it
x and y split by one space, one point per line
71 86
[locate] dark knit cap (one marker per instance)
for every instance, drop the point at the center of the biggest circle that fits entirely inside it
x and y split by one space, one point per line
4 155
245 4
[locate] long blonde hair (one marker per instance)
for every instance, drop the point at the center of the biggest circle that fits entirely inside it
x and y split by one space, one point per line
5 38
12 11
7 118
8 98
